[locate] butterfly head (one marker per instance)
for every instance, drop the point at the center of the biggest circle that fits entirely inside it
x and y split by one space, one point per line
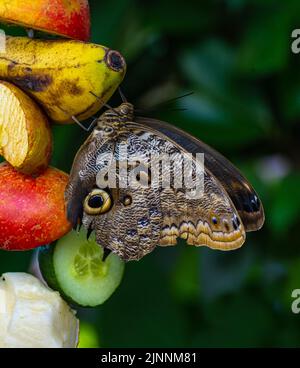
121 114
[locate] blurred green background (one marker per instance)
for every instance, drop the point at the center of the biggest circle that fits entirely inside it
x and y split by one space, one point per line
235 55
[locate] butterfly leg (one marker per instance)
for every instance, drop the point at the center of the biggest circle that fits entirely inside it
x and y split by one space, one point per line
89 232
106 253
124 99
87 129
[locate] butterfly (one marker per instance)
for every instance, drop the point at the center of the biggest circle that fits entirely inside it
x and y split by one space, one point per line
132 220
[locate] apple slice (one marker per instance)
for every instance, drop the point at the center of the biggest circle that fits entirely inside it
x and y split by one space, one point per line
68 18
25 135
32 210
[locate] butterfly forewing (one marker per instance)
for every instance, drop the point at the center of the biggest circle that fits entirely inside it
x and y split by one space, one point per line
242 194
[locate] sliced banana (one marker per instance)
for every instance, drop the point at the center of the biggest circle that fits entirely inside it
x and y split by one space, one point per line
34 316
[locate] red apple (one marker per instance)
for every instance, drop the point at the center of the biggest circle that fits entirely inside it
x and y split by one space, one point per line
68 18
32 210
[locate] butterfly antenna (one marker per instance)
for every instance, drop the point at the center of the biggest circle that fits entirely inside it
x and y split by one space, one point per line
141 111
124 99
167 102
177 109
162 105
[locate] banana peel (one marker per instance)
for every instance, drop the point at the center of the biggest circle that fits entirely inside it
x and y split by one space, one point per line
25 135
68 78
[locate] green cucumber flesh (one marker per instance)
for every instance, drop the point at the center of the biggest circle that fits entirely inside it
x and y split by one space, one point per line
74 267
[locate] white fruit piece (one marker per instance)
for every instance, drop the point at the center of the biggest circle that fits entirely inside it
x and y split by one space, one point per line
34 316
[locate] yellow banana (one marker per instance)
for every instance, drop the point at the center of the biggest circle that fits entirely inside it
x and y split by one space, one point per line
63 76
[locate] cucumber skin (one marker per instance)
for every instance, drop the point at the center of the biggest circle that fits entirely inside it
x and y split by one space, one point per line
45 258
45 254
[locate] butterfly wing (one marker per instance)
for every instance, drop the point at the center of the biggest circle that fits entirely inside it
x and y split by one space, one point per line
240 191
156 215
210 219
83 175
131 228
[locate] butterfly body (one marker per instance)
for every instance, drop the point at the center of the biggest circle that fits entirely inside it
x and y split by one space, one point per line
131 220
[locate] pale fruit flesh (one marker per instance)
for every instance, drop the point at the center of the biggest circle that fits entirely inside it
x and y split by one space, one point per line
25 135
34 316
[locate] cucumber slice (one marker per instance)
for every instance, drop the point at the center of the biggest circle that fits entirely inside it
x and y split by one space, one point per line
74 267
